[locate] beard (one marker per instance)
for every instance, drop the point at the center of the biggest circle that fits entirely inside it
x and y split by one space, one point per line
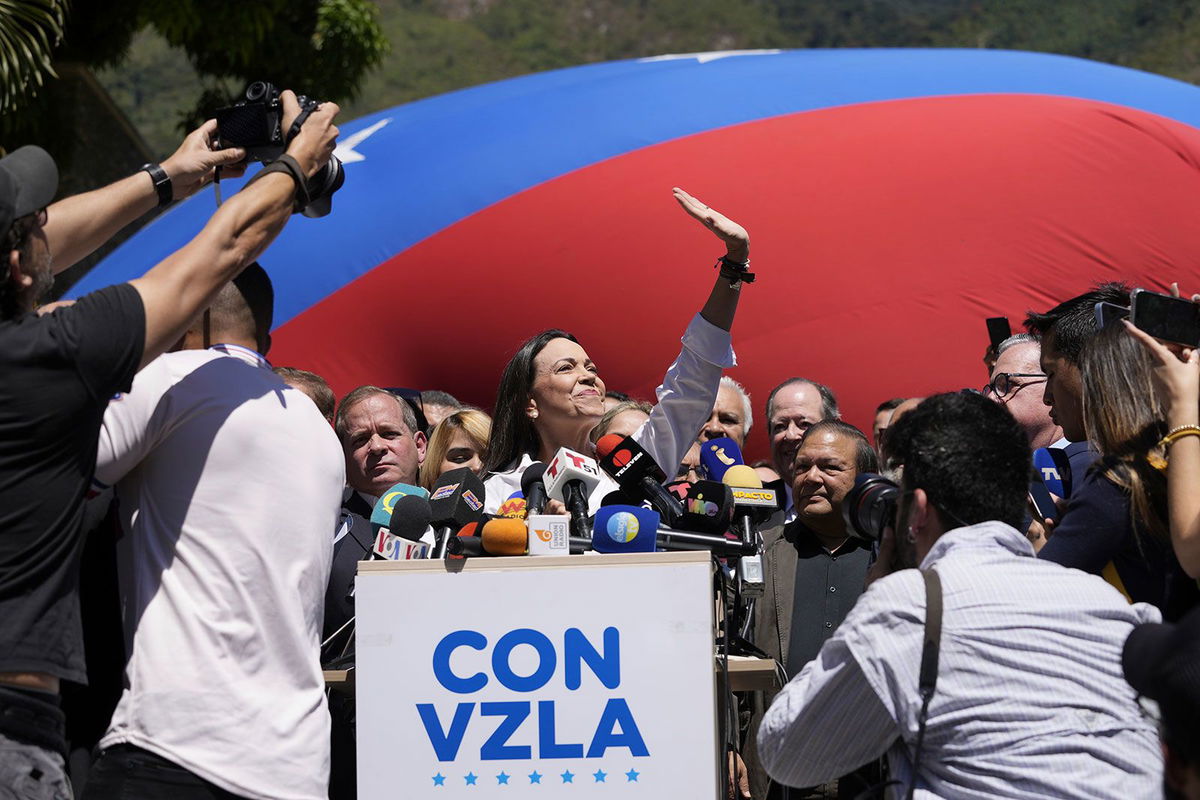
43 282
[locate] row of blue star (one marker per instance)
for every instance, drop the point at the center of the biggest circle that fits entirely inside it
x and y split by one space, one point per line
599 776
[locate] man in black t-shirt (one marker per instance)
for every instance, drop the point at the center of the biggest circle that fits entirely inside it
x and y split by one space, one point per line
59 368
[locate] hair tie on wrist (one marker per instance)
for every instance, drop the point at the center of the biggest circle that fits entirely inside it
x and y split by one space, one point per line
736 272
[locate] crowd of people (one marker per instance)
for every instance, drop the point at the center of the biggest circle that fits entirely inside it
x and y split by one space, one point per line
977 647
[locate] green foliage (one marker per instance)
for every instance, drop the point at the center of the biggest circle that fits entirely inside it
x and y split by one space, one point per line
441 45
29 31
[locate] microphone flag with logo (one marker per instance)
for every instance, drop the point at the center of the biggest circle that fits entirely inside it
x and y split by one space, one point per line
625 529
631 466
381 515
457 499
708 508
570 478
400 540
718 455
1050 469
549 534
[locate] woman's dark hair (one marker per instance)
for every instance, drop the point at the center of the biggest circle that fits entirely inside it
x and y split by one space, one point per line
512 431
1125 418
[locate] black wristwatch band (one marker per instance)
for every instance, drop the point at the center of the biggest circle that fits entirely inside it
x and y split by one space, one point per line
162 184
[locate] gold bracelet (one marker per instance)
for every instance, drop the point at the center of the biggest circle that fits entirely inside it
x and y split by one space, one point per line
1178 433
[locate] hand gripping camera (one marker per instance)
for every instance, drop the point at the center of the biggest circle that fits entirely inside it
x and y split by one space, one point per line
256 125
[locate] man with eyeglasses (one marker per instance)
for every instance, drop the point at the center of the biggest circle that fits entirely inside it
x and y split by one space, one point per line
1016 383
57 373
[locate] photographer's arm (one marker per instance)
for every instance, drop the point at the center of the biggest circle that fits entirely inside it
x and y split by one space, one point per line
77 225
178 288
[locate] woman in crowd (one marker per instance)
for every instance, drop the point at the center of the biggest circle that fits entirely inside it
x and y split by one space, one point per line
458 441
551 394
1128 542
623 419
1177 380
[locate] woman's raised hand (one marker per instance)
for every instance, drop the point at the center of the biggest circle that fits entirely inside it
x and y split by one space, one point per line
737 241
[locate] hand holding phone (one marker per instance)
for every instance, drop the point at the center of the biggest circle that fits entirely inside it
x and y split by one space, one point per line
1167 318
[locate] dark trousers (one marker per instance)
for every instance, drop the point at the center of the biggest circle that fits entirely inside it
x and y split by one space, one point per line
125 772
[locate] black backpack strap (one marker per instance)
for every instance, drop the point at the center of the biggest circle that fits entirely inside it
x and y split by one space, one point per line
927 680
933 633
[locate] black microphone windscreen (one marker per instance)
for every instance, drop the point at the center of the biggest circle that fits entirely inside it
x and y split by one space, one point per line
619 498
410 517
532 474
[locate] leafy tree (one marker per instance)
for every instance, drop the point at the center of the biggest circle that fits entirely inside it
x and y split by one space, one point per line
29 31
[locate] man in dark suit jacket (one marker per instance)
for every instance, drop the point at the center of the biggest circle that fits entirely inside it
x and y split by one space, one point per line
814 570
383 446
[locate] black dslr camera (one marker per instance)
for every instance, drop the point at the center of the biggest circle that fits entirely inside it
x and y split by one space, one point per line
870 506
256 125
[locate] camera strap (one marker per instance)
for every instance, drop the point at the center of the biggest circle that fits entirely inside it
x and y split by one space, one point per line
298 123
927 678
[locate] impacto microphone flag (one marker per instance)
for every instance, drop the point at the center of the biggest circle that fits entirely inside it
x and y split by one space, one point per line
625 529
400 540
381 515
718 455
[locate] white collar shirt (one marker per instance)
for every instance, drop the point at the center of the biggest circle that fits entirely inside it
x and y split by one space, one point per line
685 400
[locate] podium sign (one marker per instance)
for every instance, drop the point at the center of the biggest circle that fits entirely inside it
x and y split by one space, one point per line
560 676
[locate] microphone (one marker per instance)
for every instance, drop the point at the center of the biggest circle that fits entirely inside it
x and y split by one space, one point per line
1047 466
381 515
753 504
549 534
628 463
457 500
708 508
625 529
513 507
401 539
718 455
502 536
533 488
570 478
669 539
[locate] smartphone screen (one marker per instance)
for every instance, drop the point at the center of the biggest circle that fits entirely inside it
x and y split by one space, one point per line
998 330
1171 319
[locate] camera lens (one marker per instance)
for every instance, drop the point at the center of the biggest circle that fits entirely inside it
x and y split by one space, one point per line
257 91
870 506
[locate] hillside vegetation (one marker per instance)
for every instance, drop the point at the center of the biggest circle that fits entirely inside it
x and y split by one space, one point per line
440 45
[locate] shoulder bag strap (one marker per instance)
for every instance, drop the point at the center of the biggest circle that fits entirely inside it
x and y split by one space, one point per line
927 680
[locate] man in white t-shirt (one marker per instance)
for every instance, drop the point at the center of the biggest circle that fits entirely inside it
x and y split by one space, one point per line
229 482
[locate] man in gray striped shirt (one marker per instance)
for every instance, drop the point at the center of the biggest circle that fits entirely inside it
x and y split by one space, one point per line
1030 698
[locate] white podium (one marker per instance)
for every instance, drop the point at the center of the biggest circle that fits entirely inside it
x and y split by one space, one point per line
553 677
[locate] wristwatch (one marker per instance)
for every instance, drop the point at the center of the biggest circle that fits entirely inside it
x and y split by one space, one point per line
162 183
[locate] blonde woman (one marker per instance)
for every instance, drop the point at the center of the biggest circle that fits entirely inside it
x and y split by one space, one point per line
457 441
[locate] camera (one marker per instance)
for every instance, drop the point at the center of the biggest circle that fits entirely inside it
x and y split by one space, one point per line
870 506
255 124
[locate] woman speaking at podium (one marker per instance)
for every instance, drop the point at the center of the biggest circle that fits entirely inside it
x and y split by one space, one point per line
551 394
